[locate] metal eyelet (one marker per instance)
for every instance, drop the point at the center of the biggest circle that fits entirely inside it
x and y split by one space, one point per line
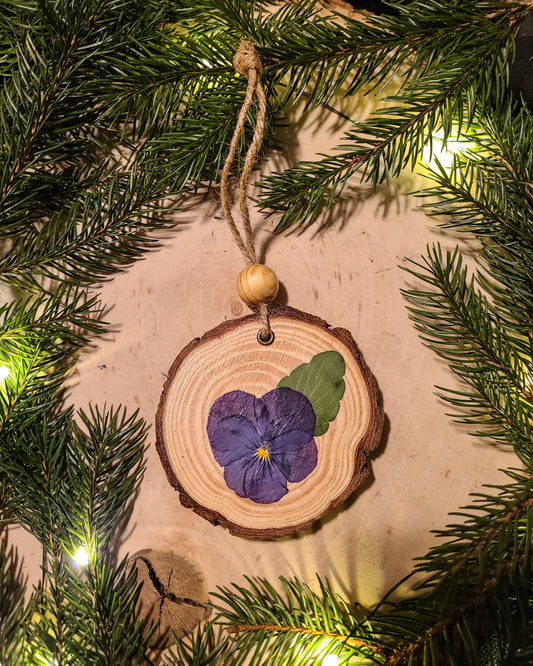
265 341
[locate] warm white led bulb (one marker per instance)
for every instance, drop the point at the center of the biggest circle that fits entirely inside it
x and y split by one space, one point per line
4 372
81 556
330 660
444 151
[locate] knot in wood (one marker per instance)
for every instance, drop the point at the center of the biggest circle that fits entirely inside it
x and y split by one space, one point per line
246 59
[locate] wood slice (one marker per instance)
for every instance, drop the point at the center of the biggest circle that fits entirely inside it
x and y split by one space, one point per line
173 599
229 358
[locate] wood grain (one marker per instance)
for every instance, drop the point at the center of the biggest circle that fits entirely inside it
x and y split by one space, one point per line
173 598
228 358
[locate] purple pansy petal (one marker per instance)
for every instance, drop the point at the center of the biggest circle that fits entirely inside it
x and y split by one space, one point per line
255 480
234 403
282 423
234 476
297 464
289 410
261 416
291 441
264 483
234 438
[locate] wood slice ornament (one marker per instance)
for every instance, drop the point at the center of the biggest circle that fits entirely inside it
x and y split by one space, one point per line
265 423
226 385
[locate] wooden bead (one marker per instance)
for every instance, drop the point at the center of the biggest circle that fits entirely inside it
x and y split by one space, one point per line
257 284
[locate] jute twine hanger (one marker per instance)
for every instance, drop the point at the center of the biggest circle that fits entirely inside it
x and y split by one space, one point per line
257 285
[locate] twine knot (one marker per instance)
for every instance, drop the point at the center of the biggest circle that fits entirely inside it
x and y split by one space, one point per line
246 59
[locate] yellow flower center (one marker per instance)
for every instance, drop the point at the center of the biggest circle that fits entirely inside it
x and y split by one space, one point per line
263 453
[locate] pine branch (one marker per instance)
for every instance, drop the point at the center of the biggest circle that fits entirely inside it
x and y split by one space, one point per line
38 338
105 467
320 56
100 233
193 148
48 52
105 470
488 194
12 608
69 204
470 574
79 618
204 647
290 628
440 89
459 325
483 560
38 498
482 325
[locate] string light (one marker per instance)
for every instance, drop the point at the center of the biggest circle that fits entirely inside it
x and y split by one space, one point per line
81 556
4 372
441 151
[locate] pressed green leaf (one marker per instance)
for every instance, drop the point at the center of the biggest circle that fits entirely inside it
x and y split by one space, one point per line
321 381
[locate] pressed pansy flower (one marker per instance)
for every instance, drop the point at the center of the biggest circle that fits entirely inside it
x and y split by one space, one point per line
263 443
